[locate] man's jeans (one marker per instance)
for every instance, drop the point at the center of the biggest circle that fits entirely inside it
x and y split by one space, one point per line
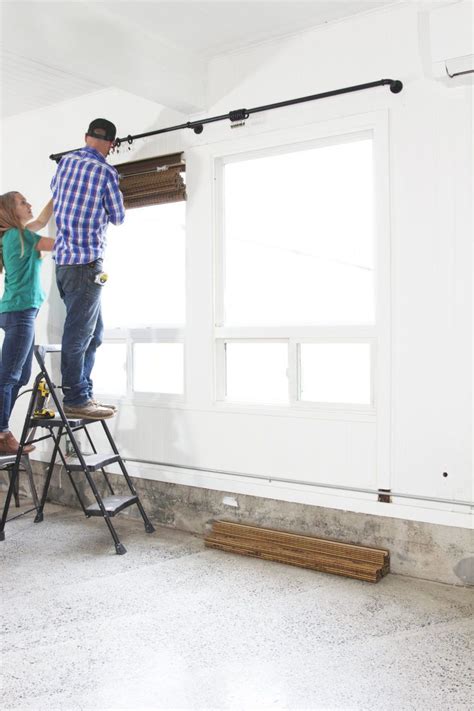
17 355
83 329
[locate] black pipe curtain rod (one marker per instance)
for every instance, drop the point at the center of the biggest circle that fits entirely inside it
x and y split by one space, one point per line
241 114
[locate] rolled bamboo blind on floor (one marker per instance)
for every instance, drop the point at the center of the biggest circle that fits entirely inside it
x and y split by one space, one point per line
326 556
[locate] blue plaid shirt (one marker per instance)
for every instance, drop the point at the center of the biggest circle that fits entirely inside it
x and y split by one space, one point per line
86 197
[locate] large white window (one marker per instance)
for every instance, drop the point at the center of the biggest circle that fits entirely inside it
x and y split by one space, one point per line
299 237
143 305
296 273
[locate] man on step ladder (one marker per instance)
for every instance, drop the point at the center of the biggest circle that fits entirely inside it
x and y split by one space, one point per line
86 197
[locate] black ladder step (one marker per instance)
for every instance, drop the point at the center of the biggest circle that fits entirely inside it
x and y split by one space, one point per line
112 504
58 421
92 461
6 460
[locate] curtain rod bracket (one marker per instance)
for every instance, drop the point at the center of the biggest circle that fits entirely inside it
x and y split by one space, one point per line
195 125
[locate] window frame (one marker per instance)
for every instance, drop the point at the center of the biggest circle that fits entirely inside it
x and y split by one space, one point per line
374 125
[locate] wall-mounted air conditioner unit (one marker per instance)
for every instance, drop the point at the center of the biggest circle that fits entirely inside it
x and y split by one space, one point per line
452 44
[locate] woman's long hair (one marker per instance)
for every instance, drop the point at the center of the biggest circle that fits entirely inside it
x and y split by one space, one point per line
9 219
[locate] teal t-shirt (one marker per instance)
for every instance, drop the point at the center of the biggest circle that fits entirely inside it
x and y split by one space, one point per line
22 273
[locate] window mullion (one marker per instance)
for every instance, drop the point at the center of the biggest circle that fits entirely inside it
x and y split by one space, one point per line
293 371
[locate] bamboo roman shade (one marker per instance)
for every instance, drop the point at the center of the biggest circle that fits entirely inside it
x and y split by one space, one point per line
153 181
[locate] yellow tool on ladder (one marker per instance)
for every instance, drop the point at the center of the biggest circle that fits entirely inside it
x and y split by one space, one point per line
42 399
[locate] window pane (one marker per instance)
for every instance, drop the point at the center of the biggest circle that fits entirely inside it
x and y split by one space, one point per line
110 369
145 261
257 372
299 237
335 372
158 368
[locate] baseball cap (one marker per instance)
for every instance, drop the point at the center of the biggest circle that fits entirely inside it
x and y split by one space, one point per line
101 128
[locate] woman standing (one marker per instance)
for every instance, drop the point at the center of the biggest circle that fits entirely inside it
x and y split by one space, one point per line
20 257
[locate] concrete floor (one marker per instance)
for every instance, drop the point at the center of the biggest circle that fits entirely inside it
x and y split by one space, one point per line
172 625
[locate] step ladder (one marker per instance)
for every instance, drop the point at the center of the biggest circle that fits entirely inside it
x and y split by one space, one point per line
78 466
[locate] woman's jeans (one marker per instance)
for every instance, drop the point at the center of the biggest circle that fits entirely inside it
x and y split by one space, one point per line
83 329
17 356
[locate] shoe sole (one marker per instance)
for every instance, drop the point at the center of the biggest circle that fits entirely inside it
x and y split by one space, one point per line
82 416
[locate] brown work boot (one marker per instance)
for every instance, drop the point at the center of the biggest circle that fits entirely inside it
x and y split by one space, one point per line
90 411
9 445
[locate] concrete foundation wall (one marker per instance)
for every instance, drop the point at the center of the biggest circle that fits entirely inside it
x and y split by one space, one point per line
423 550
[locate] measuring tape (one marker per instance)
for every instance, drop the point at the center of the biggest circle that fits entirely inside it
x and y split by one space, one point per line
101 278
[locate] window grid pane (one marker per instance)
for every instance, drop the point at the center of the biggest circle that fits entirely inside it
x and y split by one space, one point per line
257 372
299 237
110 369
158 368
145 261
336 373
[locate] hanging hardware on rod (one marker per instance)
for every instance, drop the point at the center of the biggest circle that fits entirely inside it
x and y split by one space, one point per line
240 115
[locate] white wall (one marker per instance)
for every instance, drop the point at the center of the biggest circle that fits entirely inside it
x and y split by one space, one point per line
430 227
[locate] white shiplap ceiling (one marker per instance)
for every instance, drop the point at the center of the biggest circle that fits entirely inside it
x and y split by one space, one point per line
29 84
53 51
210 28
